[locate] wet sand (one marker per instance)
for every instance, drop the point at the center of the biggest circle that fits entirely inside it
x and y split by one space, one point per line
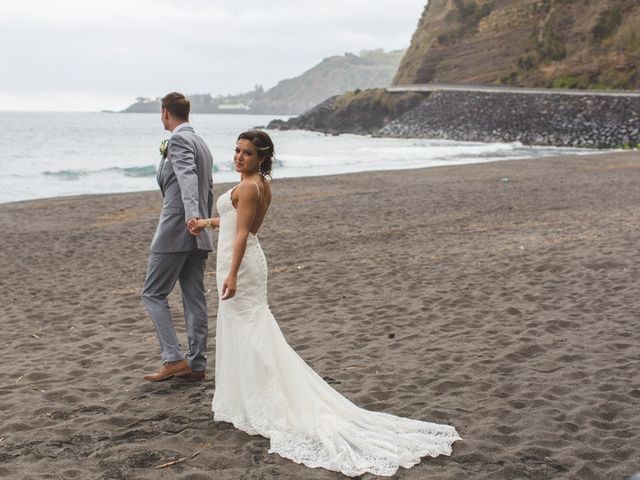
500 298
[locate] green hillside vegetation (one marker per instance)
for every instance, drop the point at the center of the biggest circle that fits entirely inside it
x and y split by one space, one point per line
358 111
532 43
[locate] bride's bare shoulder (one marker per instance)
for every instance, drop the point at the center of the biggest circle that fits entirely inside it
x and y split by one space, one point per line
247 189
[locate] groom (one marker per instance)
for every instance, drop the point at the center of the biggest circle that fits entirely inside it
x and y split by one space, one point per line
177 253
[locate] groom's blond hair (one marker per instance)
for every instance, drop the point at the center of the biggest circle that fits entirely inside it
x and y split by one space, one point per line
177 105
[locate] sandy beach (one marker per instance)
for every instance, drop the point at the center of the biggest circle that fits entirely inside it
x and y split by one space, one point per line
500 298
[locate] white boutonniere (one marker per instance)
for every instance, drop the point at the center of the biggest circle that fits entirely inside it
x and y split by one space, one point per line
164 147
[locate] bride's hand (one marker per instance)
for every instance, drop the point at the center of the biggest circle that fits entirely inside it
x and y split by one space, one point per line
229 287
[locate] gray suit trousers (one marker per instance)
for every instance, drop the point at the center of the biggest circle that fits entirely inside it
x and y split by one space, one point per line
162 273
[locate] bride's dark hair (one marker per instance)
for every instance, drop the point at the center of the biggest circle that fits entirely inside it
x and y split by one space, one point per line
264 146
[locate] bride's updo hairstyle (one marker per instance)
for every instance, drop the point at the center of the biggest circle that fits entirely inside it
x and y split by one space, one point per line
264 146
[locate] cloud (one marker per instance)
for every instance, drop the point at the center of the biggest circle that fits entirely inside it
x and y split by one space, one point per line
118 49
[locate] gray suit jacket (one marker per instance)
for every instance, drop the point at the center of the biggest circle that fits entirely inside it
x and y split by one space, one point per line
186 184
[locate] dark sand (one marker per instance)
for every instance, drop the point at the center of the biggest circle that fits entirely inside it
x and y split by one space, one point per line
510 309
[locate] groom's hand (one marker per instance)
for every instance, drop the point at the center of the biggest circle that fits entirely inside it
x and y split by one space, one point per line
192 226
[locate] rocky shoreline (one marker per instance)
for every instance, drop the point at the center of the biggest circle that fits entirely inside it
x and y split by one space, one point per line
532 119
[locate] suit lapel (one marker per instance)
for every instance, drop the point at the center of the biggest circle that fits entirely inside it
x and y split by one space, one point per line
160 176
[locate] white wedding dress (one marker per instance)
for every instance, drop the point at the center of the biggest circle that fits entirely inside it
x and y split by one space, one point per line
263 387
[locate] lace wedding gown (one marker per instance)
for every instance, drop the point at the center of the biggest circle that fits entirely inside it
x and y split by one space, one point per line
263 387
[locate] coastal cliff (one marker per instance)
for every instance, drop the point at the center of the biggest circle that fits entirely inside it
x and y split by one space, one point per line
582 44
532 43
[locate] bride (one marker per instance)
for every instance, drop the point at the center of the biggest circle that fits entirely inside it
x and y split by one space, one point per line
262 386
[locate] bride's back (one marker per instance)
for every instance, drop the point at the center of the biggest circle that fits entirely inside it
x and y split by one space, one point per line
262 204
264 201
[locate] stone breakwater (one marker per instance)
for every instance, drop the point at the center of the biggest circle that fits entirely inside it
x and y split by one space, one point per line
532 119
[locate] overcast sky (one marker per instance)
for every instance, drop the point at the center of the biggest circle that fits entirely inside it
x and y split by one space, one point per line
93 55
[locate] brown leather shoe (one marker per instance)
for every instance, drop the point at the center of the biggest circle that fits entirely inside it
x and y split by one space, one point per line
193 376
169 370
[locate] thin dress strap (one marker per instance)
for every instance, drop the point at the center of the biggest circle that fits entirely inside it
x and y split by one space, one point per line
259 192
231 191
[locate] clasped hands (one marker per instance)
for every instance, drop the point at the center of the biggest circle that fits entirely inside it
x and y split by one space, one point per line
196 225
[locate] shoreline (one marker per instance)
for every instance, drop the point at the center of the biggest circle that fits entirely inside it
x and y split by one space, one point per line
508 309
587 152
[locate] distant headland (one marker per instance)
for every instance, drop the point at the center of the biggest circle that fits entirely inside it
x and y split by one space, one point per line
333 75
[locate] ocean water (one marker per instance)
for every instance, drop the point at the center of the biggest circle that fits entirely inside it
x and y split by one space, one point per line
47 154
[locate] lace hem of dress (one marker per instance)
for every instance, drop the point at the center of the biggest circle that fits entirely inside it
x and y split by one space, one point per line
313 453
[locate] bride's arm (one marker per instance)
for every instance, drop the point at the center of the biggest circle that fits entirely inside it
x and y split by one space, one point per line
245 214
208 222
